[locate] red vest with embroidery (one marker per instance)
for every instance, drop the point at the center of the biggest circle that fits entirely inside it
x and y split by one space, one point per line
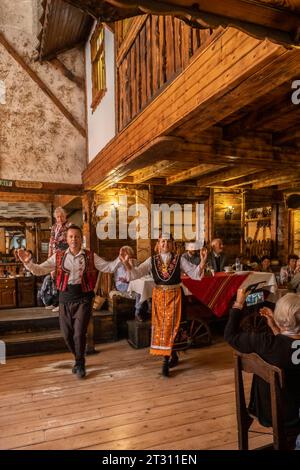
89 275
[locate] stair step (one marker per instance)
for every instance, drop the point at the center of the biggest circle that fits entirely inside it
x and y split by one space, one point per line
39 342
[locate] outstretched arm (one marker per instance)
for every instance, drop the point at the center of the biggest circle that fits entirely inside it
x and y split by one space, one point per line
37 269
106 266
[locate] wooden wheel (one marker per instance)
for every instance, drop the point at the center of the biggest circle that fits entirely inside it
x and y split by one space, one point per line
199 333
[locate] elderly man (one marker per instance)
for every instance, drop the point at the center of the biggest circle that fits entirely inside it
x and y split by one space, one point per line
192 254
76 276
216 258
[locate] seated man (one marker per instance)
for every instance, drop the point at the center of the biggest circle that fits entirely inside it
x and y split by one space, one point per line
287 272
121 283
192 254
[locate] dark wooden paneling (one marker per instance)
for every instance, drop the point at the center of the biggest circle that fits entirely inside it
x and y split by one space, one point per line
162 48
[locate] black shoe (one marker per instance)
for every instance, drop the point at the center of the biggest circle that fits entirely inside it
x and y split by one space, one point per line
174 360
165 367
80 372
74 369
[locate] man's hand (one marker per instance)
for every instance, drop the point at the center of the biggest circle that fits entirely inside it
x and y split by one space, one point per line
203 255
24 255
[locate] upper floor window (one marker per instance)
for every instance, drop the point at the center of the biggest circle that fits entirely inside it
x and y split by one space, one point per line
98 65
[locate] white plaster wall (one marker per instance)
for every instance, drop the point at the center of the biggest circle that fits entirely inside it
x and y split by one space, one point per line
101 123
37 142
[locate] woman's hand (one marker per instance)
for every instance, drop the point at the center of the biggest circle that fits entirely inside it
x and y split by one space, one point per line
24 255
268 314
241 296
203 255
124 258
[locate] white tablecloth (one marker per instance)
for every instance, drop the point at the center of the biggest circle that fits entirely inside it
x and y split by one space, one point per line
144 285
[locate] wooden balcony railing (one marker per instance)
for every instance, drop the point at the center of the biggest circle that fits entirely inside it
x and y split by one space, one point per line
162 46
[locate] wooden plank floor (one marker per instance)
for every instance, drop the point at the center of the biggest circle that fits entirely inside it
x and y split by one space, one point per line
124 402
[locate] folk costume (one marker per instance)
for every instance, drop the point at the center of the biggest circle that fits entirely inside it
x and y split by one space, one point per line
166 269
76 277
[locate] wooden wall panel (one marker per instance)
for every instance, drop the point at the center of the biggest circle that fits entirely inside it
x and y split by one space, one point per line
163 46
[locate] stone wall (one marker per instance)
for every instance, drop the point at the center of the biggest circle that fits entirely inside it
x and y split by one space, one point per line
37 142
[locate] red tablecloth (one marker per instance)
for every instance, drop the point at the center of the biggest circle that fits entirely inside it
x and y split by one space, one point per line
216 292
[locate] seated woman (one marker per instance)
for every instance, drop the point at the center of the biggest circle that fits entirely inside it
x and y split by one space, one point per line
121 282
278 347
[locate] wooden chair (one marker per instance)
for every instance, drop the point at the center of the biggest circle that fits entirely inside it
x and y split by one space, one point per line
283 438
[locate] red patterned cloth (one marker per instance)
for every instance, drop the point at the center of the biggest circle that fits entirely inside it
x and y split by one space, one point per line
216 292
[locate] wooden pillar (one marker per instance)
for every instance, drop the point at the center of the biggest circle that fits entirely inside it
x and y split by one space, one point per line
89 233
143 247
2 241
88 224
30 240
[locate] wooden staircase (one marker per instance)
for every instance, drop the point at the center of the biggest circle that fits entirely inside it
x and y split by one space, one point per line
30 331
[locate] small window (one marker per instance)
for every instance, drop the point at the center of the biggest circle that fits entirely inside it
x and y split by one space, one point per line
98 65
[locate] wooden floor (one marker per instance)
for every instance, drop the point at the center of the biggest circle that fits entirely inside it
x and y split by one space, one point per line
124 402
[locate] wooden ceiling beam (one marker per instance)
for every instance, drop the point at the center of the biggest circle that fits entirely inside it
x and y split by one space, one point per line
255 17
258 118
289 135
224 175
152 171
191 173
280 179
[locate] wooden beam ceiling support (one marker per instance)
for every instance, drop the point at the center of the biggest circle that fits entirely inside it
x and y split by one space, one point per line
257 18
224 175
152 171
280 179
255 120
10 196
191 173
67 73
42 85
45 189
229 153
289 135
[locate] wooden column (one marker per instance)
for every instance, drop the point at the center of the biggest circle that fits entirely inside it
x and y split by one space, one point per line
2 241
88 226
143 247
89 232
30 240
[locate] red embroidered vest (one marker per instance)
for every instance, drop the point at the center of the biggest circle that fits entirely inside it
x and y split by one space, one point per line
89 275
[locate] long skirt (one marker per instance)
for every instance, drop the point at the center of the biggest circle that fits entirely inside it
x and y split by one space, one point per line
166 316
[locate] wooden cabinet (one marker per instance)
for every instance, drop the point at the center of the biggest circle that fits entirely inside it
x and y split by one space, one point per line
26 291
8 293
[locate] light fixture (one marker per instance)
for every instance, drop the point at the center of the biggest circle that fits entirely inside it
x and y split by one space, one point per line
229 210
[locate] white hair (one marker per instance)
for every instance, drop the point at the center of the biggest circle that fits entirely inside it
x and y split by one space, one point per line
60 210
128 249
287 312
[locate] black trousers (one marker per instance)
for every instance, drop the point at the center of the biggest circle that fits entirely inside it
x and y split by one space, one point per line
74 319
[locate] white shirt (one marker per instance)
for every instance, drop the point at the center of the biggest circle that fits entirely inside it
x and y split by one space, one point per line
146 267
74 264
